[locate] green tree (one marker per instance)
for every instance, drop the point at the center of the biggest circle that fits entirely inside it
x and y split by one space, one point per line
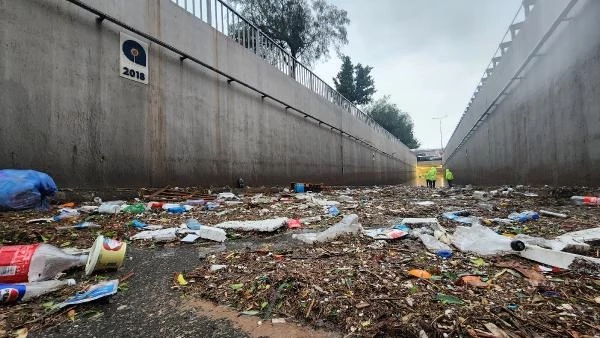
394 120
355 82
305 28
344 81
364 86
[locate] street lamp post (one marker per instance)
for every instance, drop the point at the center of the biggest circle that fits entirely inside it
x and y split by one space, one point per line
441 136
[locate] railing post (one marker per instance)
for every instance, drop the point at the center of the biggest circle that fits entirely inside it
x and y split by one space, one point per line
208 13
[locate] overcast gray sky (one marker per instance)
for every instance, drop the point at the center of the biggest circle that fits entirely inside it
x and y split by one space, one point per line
428 55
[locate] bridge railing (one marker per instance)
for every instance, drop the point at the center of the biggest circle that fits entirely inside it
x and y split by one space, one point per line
227 21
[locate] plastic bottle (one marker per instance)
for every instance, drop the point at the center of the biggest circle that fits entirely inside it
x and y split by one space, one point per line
585 200
196 203
193 224
106 208
154 205
137 208
206 232
524 216
84 225
177 210
211 206
333 211
553 214
12 293
36 262
66 213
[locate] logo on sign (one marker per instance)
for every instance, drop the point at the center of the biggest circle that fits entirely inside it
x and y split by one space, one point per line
133 59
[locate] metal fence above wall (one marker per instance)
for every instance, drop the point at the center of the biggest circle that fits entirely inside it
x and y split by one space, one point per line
227 21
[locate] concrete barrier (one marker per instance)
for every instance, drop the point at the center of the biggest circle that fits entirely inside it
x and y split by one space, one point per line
65 109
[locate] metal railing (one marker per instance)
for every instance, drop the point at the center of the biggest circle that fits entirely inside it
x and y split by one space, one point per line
102 16
230 23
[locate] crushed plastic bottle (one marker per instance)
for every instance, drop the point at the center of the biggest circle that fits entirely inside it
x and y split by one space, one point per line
137 208
333 211
211 206
110 207
524 216
23 292
36 262
585 200
432 244
176 210
193 224
66 213
83 225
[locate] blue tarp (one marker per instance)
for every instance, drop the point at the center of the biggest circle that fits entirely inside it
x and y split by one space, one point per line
25 189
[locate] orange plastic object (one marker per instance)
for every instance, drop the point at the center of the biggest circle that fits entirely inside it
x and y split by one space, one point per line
420 273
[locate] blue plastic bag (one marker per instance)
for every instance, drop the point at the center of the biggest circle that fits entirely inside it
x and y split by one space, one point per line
25 189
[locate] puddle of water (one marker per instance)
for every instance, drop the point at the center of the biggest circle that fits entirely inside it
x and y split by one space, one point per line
249 324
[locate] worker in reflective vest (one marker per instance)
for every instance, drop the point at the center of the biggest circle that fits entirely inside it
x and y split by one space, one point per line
430 177
449 177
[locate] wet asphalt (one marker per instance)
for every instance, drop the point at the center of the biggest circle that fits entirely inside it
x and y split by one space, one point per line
149 307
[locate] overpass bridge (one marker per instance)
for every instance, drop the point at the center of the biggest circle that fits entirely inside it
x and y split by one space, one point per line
535 116
133 93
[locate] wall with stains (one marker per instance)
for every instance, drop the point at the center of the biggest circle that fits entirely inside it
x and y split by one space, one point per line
547 129
65 110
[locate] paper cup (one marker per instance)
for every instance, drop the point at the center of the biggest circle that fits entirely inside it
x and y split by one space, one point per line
106 254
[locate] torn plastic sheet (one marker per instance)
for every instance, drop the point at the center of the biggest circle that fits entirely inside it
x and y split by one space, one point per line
480 240
559 259
433 244
348 225
485 242
461 216
385 233
571 240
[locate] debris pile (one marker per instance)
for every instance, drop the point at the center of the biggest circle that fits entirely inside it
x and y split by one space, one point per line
395 260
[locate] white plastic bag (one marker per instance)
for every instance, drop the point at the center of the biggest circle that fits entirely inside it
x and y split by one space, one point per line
480 240
348 225
433 244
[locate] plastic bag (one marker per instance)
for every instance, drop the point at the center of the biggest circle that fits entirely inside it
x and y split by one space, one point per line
432 244
348 225
480 240
25 189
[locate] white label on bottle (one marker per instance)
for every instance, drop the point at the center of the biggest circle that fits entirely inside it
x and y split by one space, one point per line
8 270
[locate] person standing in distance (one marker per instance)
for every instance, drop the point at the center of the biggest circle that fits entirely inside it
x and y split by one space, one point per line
449 177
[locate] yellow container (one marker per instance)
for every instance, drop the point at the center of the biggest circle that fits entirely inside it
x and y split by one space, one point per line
106 254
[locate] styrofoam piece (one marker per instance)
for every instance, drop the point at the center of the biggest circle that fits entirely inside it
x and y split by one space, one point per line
266 225
162 235
555 258
571 240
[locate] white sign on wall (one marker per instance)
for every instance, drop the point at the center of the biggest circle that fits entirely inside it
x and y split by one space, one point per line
133 59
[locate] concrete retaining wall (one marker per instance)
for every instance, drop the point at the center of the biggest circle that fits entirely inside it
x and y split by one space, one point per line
65 110
547 130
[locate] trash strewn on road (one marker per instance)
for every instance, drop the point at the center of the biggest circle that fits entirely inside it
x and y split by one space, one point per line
394 260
